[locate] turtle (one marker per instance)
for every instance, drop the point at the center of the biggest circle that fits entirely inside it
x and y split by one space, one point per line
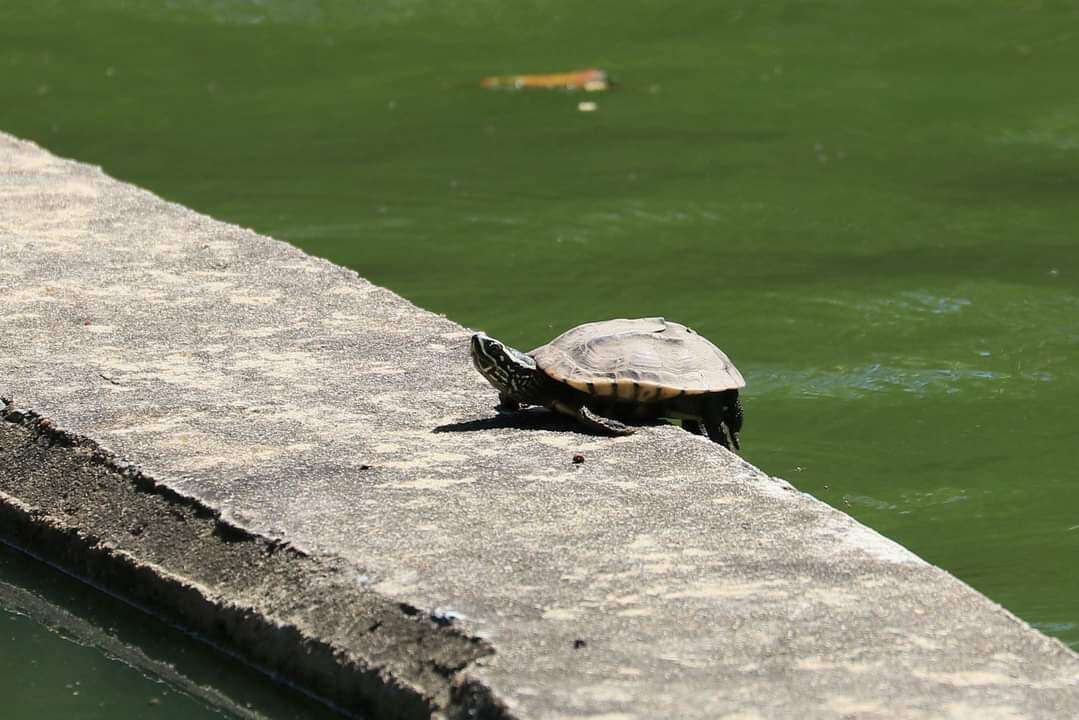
608 372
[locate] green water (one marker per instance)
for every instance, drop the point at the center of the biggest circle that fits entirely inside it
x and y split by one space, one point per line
873 207
70 651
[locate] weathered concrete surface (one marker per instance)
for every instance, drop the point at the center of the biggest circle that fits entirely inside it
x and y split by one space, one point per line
293 399
311 620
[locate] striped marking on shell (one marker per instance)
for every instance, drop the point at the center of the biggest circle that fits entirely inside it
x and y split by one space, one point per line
645 360
585 387
647 393
603 389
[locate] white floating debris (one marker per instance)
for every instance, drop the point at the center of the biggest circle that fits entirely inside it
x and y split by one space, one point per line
587 106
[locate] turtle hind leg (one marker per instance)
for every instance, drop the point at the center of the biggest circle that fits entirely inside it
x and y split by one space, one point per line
592 420
603 424
732 417
722 419
692 426
717 432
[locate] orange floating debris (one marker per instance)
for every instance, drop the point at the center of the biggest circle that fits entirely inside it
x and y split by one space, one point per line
589 80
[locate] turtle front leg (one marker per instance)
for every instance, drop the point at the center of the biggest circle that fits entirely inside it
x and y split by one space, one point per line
692 426
507 404
591 420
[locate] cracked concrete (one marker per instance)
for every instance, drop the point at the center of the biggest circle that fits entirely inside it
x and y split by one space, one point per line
300 406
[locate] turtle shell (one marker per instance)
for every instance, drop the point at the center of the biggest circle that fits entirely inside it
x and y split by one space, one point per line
645 360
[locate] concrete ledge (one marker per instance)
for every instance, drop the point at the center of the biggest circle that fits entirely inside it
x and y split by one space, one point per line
306 620
304 468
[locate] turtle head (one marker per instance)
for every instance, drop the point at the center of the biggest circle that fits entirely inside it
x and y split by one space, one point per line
512 373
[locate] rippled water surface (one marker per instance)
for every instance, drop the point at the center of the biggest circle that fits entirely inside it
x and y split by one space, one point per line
873 207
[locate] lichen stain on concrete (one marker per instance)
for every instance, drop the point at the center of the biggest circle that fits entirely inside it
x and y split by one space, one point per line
573 441
696 552
754 591
51 235
221 247
836 597
180 369
380 367
846 706
741 715
855 537
427 460
63 190
600 716
614 693
642 542
635 612
1001 678
20 316
253 299
818 664
30 296
919 641
129 424
968 679
978 711
280 364
152 280
216 287
430 483
37 163
356 291
552 477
